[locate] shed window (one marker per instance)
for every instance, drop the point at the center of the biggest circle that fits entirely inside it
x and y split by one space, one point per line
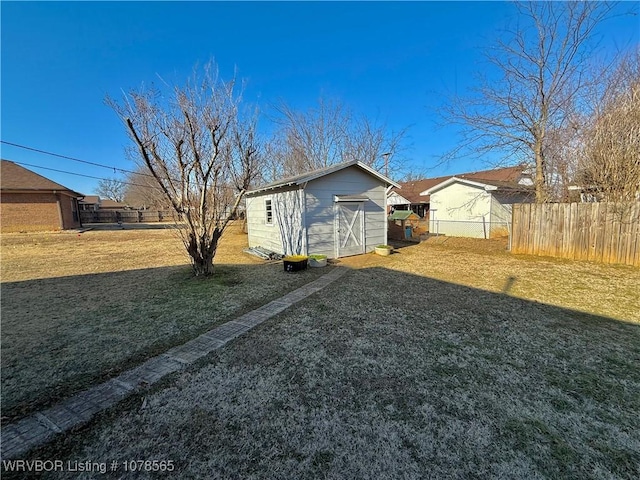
269 212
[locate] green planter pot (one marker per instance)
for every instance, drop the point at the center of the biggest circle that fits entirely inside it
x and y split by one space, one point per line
317 261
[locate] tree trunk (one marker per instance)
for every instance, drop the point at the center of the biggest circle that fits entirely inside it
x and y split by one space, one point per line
540 181
202 265
202 255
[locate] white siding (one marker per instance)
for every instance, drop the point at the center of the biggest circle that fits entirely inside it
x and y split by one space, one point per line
395 198
500 209
288 207
460 210
320 213
317 212
260 233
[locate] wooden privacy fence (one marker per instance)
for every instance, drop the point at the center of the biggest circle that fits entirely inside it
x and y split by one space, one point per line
126 216
600 232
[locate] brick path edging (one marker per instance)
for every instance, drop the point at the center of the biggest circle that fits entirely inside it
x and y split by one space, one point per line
37 429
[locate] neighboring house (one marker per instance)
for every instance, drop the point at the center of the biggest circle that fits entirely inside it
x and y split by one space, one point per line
107 204
408 196
30 202
474 208
90 203
93 203
337 211
411 195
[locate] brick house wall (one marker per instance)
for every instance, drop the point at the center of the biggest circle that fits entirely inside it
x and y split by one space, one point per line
37 211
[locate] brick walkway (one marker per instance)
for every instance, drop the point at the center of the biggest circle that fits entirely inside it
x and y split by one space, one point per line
18 438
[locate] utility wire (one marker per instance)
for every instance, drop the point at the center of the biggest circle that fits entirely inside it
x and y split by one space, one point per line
110 167
115 169
82 174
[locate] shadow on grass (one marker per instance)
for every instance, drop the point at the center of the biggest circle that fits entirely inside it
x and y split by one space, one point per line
439 378
388 374
61 335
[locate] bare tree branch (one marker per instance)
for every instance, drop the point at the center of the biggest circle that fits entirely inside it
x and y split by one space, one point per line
609 144
112 189
328 134
539 68
200 149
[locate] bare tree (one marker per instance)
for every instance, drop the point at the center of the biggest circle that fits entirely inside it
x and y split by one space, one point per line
112 189
202 152
328 134
540 72
609 165
414 174
142 190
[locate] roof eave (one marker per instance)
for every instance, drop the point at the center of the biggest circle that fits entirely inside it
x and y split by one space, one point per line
321 173
71 193
270 187
449 181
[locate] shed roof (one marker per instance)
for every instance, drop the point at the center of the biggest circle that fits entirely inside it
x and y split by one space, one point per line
321 172
402 215
16 177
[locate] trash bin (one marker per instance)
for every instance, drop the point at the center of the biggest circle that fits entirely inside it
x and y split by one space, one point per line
407 232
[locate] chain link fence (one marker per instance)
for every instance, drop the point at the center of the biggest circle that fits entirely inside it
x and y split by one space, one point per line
473 229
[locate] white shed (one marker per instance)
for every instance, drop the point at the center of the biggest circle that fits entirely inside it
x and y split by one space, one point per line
461 207
337 211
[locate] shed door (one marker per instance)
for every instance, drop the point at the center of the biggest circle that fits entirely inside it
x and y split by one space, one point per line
349 228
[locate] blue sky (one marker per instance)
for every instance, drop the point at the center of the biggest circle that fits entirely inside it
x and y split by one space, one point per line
391 61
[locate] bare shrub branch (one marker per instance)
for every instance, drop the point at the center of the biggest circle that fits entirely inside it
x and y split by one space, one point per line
609 160
202 151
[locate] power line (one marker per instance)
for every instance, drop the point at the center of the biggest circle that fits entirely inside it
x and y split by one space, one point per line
82 175
110 167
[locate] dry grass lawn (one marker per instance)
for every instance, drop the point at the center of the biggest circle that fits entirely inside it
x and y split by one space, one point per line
416 365
608 290
80 308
